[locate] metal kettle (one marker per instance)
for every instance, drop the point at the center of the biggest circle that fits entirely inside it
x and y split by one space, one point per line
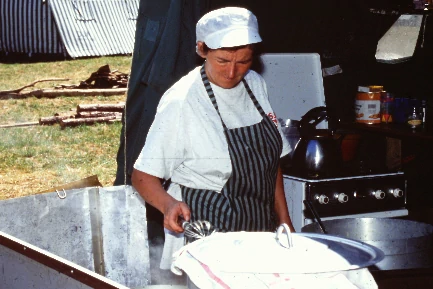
318 151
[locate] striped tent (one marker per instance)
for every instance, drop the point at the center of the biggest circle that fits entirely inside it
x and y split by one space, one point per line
77 28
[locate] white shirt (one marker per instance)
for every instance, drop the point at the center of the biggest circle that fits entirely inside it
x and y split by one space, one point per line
186 141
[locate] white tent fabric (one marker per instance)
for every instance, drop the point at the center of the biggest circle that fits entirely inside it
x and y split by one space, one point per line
96 27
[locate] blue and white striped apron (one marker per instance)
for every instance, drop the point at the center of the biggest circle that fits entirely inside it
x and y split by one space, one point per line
246 202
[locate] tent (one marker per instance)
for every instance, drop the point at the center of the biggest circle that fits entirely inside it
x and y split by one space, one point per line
77 28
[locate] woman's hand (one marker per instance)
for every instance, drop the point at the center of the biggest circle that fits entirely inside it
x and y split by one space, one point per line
174 213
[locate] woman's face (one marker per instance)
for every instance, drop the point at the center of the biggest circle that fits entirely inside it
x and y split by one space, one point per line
224 67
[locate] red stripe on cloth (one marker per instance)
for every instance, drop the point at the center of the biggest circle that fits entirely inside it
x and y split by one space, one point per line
213 276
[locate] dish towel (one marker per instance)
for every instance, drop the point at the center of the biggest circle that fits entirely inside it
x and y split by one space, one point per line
205 277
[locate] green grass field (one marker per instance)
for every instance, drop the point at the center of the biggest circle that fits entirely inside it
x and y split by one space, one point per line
37 158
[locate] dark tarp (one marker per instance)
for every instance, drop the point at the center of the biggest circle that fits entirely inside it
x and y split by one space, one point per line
164 51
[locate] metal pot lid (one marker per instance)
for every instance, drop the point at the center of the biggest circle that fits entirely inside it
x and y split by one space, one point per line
261 252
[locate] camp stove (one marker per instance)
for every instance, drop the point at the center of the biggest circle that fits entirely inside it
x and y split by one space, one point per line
295 85
372 195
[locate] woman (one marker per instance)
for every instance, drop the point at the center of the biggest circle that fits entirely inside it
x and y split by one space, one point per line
215 136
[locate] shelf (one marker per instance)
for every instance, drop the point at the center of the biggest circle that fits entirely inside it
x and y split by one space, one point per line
391 130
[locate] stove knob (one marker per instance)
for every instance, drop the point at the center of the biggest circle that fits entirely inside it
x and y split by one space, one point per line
342 198
379 194
322 199
398 193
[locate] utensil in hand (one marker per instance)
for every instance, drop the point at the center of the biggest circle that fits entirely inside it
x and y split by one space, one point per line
315 215
197 229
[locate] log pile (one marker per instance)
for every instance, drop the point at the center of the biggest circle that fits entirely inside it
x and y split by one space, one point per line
87 114
105 78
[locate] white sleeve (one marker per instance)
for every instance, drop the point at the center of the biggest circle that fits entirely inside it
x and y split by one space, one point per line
163 150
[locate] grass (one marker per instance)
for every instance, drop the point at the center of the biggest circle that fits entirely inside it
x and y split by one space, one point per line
15 75
37 158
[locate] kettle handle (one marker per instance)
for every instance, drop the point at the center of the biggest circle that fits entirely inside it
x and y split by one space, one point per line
315 116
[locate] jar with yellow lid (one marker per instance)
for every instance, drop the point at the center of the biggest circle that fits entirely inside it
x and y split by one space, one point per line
370 88
367 104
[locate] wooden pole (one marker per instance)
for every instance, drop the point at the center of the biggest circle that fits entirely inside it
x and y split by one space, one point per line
31 84
22 124
50 120
117 107
52 93
85 121
84 114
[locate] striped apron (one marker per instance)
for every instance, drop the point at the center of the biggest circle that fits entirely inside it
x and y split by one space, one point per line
246 202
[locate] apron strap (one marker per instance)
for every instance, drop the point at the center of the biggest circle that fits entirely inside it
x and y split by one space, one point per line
211 94
253 98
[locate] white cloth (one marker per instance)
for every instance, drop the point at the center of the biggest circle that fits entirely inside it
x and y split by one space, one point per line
207 271
206 278
186 141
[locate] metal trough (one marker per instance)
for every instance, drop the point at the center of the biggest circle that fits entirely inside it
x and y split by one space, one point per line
83 238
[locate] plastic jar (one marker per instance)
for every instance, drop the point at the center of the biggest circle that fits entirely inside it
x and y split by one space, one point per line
367 104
